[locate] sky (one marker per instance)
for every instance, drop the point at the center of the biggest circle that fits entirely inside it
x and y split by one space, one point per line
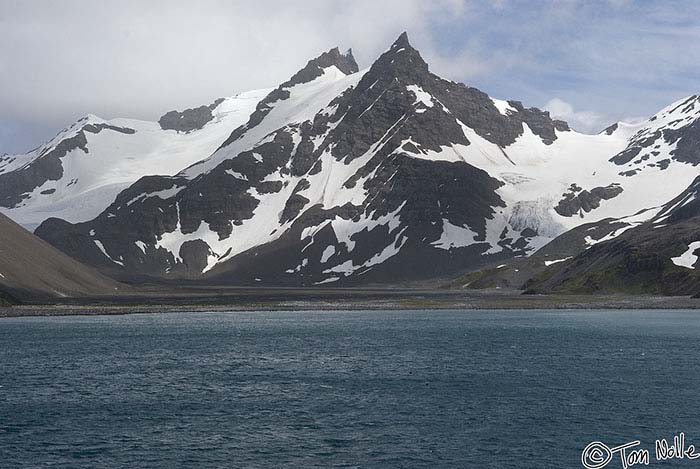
590 62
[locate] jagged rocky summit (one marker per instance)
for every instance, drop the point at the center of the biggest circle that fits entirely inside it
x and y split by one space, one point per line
343 177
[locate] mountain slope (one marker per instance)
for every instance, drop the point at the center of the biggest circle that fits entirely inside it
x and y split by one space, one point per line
331 147
32 269
660 143
657 256
77 174
384 175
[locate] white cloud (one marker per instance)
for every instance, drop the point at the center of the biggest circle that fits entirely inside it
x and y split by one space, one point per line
61 60
136 58
583 121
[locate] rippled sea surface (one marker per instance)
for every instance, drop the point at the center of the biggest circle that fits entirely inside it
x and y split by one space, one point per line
476 389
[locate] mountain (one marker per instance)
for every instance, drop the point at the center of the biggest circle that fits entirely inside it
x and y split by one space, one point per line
32 269
78 173
629 254
388 174
562 265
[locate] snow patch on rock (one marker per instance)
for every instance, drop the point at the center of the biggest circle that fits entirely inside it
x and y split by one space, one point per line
688 258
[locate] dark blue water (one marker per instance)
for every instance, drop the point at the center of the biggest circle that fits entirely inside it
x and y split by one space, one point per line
482 389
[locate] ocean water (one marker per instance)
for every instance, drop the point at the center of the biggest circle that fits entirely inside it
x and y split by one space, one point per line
474 389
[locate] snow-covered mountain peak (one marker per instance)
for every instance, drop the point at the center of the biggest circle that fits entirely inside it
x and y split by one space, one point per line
394 152
316 67
673 134
688 106
79 172
91 119
340 175
674 116
295 101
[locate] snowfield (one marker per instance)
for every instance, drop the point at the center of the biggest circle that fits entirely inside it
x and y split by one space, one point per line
114 161
534 186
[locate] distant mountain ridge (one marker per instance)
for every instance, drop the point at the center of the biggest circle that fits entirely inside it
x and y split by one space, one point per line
78 173
345 177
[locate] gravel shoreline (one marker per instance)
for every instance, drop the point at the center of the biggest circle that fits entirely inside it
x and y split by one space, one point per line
336 300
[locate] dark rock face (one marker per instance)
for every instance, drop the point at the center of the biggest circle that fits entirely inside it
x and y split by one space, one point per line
189 119
15 186
577 200
626 155
684 207
401 203
541 123
687 143
97 128
314 68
